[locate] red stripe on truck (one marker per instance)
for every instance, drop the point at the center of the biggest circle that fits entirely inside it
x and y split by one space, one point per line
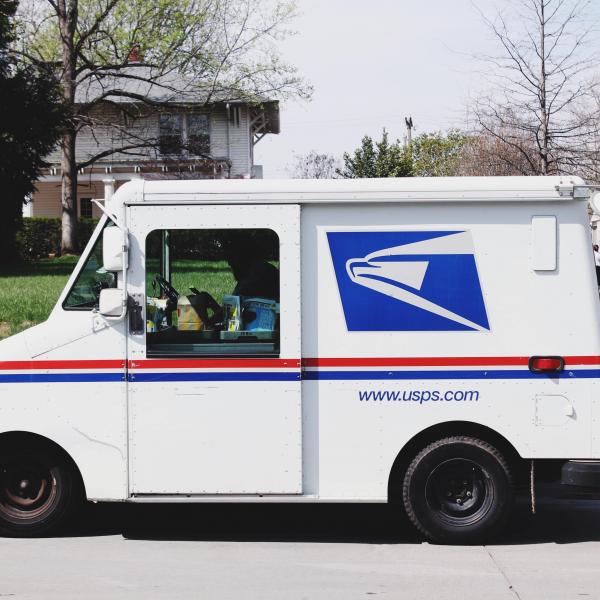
283 363
28 365
443 361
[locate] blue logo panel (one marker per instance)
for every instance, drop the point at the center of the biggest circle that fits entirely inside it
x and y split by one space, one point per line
408 280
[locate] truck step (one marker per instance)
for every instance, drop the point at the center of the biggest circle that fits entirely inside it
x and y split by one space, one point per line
581 473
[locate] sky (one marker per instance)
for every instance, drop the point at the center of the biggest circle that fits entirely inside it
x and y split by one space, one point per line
373 62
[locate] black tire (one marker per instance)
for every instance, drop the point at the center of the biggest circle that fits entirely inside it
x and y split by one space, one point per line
458 490
38 490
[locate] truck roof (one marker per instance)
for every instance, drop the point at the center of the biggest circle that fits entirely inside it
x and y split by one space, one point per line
407 189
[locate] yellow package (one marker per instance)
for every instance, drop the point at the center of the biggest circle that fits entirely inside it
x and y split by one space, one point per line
187 317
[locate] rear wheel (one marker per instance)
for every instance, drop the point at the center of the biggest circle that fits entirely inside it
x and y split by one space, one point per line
37 490
458 490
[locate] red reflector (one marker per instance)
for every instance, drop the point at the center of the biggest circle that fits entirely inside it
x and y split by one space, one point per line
546 364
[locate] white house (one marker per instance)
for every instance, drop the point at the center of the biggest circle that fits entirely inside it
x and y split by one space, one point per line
181 134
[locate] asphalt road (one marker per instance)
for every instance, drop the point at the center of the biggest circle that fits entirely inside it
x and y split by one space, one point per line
313 552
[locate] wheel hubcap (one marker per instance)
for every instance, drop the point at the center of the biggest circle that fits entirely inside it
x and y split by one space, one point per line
459 491
26 488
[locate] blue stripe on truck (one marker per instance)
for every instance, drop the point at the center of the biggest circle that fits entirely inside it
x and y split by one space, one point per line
61 377
416 375
146 377
212 376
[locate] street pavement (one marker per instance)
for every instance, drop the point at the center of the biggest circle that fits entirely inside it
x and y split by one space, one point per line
314 552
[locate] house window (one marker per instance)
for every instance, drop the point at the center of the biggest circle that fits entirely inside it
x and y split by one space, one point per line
128 119
198 137
85 208
181 133
171 134
212 293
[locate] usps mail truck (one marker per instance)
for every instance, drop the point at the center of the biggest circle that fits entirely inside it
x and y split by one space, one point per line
432 343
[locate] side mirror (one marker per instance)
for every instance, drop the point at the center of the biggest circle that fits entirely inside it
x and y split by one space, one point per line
112 249
111 302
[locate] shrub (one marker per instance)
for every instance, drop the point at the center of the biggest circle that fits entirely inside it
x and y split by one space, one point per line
40 236
85 228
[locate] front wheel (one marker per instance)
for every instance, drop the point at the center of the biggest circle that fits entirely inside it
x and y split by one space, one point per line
458 490
37 490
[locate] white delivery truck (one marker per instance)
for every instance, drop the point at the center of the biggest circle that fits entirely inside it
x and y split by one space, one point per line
427 342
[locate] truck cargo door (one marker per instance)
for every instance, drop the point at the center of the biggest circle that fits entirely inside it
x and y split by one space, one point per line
214 350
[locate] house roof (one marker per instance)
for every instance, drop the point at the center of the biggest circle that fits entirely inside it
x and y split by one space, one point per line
142 83
147 82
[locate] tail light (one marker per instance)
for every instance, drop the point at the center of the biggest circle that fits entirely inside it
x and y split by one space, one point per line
546 364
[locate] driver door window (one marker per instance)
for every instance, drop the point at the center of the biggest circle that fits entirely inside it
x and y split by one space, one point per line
212 292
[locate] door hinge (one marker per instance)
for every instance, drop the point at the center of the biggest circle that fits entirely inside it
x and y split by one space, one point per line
565 191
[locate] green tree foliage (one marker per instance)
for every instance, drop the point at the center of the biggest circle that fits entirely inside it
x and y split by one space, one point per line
377 159
428 155
30 122
203 50
438 154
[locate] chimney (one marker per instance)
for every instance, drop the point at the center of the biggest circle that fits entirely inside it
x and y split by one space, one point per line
134 54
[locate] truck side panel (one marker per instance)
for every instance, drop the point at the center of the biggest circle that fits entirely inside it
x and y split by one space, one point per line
420 314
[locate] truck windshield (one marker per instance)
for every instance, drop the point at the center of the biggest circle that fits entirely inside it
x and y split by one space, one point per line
93 278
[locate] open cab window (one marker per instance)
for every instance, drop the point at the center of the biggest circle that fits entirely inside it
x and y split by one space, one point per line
212 293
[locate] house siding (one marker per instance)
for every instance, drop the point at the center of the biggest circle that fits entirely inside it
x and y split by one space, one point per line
146 126
229 139
218 134
239 140
240 144
46 199
90 142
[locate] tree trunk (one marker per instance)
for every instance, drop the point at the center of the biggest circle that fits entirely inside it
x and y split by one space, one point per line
68 244
67 19
12 220
545 142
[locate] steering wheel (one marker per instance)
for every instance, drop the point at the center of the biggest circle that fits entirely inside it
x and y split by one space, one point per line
167 289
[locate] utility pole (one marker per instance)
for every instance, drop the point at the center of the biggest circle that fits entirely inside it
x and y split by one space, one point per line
409 127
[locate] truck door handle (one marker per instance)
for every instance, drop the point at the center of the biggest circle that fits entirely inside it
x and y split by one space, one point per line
136 318
546 364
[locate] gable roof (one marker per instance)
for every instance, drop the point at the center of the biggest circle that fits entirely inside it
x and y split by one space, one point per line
148 83
136 83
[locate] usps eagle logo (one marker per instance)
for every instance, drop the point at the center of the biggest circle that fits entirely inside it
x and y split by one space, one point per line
408 280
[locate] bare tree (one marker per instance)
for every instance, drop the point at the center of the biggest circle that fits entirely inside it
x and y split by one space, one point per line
118 53
314 165
489 155
539 107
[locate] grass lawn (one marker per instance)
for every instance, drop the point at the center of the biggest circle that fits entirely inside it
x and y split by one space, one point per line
29 292
214 277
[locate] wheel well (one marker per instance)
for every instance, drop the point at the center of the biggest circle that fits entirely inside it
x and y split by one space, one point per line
442 430
16 438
